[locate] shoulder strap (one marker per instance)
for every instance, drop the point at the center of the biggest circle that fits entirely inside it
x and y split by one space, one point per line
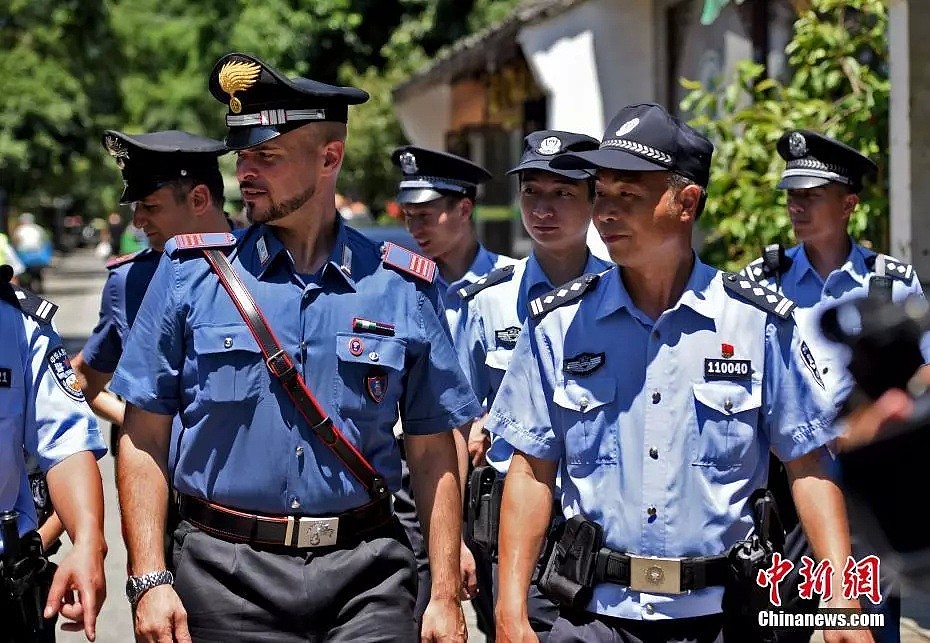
31 304
562 295
199 241
408 261
279 363
772 264
758 295
886 266
492 278
124 259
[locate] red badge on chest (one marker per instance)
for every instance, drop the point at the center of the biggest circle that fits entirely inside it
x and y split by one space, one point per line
376 383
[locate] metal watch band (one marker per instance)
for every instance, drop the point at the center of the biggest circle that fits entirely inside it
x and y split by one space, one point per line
136 586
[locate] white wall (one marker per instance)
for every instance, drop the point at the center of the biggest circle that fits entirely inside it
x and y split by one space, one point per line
425 117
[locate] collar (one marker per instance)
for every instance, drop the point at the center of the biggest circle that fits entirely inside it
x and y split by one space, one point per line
483 263
854 266
614 295
534 275
267 247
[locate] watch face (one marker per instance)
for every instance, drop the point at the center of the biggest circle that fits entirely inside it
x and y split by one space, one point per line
130 588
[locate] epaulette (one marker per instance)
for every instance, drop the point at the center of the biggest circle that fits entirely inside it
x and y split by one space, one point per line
772 263
492 278
890 267
199 240
31 304
408 261
562 295
115 262
758 295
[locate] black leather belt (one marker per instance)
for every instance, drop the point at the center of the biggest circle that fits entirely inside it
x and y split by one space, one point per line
298 532
659 575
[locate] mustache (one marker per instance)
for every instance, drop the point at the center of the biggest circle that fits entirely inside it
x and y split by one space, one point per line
250 185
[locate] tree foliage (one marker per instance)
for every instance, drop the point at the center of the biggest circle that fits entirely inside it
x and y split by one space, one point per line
838 85
77 67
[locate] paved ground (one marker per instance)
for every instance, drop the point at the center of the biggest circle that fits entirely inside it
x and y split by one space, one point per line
75 286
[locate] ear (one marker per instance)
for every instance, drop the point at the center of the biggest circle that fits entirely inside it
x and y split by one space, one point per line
850 201
332 153
467 206
688 199
199 199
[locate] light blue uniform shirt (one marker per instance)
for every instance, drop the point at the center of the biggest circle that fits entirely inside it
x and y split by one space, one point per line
243 443
43 414
456 309
651 427
802 284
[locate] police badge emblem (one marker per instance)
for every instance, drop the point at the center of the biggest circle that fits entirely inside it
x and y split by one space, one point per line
628 127
67 380
376 385
797 144
356 347
550 145
237 76
408 163
583 364
117 150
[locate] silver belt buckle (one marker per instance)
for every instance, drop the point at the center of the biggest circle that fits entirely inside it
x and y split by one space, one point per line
311 532
655 575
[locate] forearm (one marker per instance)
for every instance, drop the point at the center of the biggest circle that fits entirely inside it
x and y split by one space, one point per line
433 462
93 382
108 407
51 530
77 495
460 435
525 517
142 482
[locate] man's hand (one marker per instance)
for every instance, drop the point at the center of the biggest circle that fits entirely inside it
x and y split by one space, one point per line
478 441
513 626
443 621
160 617
79 588
469 573
847 636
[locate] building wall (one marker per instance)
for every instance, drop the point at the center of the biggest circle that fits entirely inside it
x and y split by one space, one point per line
426 117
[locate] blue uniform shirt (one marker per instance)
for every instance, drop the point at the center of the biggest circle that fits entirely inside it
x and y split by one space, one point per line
652 443
456 310
122 296
242 441
813 294
43 414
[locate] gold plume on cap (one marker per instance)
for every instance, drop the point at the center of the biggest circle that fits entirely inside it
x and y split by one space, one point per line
117 150
237 76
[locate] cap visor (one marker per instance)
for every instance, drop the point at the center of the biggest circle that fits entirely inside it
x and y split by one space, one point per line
606 158
241 138
546 166
418 195
801 182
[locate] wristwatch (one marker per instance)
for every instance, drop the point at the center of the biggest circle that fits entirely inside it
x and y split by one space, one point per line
136 586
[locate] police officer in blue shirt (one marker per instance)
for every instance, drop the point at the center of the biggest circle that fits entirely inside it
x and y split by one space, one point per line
823 178
437 194
173 181
43 414
556 210
656 390
254 339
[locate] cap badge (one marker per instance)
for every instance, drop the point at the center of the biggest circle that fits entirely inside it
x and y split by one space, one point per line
408 163
628 127
238 76
550 145
797 144
117 150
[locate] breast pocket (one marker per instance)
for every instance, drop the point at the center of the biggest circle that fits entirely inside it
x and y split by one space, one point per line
370 371
230 366
499 359
726 414
591 427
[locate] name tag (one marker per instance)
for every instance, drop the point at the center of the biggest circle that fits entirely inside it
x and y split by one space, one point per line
727 369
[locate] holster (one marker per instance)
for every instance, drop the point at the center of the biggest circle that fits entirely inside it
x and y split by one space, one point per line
24 585
568 572
483 511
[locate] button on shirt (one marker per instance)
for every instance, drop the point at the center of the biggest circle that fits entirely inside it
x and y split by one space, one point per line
802 284
243 443
42 414
710 436
122 296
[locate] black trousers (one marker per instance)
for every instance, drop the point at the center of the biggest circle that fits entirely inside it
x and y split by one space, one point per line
586 627
241 592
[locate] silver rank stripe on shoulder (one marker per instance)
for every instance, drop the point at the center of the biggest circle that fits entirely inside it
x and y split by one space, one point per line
765 298
492 278
887 266
557 297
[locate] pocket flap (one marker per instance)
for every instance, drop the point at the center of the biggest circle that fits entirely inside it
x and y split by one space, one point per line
728 397
373 350
586 395
498 359
224 338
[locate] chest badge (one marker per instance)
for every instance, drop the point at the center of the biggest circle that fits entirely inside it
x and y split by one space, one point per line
361 325
727 350
376 383
584 363
356 346
727 369
6 377
507 337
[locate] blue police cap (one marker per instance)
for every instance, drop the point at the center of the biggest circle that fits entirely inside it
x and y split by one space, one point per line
646 138
429 174
149 161
541 147
814 160
264 103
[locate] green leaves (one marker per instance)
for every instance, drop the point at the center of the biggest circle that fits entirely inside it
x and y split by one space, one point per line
839 86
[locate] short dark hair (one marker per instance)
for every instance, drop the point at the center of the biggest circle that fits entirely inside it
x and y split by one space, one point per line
214 182
677 183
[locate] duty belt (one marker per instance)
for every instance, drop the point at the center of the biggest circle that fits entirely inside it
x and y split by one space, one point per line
298 532
659 575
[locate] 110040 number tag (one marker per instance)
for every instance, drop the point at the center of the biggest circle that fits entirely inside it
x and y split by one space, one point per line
727 369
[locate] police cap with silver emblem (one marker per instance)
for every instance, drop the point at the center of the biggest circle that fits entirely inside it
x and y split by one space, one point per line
429 175
814 160
264 103
150 161
646 138
539 148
